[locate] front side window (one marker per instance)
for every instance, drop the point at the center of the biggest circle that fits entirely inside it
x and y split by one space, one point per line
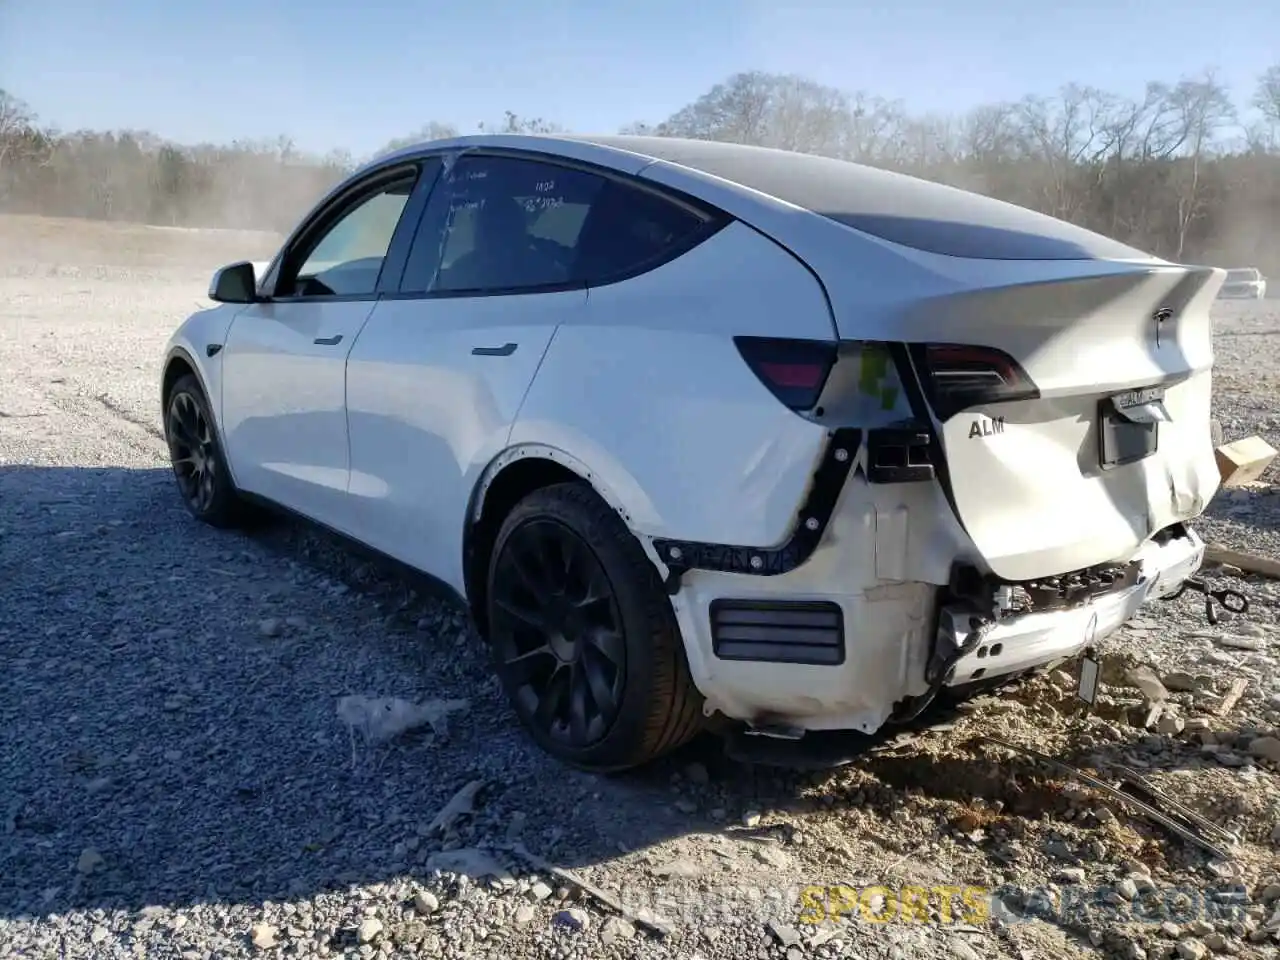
347 257
507 224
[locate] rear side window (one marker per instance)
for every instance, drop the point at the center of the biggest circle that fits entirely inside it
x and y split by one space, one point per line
508 224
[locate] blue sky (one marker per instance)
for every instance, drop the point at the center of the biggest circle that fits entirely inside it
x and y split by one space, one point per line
355 73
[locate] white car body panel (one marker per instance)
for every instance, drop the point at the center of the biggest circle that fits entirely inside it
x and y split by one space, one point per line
1028 308
427 415
643 350
284 420
189 343
637 386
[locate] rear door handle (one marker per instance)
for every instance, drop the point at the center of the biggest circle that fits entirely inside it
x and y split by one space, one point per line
506 350
329 341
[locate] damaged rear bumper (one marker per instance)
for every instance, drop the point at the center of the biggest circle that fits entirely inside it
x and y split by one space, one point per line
875 661
1036 639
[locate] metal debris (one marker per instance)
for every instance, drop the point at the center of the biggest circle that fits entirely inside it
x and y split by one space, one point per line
1175 807
648 921
1151 813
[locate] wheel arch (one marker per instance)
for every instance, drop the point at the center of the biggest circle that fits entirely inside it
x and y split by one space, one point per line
510 477
178 363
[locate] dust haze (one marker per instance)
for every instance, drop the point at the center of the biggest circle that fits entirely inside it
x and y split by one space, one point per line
1181 170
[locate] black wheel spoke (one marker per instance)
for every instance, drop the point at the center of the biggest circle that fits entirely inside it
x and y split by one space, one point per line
551 699
524 668
178 431
609 644
203 434
186 411
525 613
206 489
599 683
587 585
530 576
579 720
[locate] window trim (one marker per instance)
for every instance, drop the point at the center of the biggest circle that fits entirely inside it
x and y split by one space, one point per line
345 198
713 221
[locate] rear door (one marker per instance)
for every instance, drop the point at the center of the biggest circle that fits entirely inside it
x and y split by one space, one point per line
284 362
438 374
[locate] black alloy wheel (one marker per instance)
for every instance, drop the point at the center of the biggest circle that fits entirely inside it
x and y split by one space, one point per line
198 464
561 648
192 451
584 639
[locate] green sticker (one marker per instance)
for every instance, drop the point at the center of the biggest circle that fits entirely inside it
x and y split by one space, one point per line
873 369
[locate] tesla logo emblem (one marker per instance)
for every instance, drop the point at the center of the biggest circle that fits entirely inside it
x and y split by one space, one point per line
1160 316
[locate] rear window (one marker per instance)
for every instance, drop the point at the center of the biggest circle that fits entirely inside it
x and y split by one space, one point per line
915 213
1241 276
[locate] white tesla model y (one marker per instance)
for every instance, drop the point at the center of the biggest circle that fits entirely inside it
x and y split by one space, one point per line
700 430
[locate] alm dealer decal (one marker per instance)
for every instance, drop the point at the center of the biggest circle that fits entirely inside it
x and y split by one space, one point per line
986 427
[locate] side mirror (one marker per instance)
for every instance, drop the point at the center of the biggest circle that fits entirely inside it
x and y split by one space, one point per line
234 283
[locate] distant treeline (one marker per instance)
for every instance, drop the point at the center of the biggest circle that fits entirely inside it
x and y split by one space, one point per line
1183 171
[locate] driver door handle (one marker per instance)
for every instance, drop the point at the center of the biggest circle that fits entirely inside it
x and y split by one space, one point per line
506 350
329 341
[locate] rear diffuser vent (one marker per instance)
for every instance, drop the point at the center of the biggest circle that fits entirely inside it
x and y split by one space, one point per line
778 631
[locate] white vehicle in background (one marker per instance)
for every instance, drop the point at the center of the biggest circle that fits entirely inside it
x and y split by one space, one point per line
703 430
1243 283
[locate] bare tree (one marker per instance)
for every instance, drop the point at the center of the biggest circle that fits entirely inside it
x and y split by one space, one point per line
16 121
1170 171
1204 107
1267 101
425 133
512 123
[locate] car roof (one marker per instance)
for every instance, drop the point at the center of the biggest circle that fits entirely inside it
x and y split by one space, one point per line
903 209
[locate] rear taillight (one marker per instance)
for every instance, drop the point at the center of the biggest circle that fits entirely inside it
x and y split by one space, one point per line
958 376
795 371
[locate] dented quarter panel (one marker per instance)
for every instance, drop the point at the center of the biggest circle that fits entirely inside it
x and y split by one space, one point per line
877 532
692 444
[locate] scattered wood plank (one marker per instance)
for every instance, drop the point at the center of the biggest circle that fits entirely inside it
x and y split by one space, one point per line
1242 461
1232 697
1248 562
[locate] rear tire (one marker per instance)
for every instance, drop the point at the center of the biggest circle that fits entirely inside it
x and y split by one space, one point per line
195 454
584 639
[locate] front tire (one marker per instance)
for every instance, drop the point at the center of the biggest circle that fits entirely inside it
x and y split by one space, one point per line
584 639
195 454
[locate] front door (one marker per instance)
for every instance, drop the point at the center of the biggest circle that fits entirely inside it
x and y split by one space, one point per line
284 414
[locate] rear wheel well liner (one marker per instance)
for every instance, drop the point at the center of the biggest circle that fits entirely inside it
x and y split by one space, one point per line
508 479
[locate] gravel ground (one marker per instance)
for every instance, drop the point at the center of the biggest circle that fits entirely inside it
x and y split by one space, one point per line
177 782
